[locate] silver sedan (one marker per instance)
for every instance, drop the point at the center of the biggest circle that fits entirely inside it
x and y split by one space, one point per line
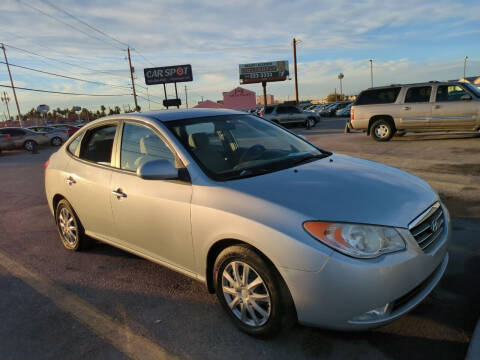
280 230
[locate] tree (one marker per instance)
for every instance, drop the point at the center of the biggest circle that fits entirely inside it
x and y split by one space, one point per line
335 97
103 108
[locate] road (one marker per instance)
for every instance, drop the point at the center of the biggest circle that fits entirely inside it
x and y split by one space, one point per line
108 304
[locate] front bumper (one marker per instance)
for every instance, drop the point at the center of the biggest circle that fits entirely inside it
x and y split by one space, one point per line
346 288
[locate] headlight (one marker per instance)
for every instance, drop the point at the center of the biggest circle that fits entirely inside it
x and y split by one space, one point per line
361 241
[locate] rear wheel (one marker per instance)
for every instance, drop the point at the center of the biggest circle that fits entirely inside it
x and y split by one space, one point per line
252 293
29 145
310 123
69 227
56 141
382 130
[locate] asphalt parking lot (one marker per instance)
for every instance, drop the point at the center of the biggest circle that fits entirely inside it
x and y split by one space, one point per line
55 303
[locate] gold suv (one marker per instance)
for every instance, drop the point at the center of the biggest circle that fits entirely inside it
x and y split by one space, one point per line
422 107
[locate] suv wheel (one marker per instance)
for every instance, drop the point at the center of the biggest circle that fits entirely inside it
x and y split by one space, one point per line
252 293
382 130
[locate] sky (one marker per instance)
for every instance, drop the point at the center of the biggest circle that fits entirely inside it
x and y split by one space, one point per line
408 41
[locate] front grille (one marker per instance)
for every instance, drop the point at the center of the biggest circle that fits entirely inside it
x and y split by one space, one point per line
428 231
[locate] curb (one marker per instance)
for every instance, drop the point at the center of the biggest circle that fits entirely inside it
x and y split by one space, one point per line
474 347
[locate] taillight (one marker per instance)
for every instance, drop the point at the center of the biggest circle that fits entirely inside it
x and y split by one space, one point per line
352 117
46 164
262 112
45 134
8 138
64 131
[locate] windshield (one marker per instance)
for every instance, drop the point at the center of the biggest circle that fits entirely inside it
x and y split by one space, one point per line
473 88
235 146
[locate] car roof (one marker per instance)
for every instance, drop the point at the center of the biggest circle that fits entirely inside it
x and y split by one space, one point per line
179 114
428 83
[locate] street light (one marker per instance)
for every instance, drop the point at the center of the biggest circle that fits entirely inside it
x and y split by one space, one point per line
340 77
371 73
465 67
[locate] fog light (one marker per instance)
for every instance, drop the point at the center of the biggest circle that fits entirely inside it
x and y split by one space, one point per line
374 314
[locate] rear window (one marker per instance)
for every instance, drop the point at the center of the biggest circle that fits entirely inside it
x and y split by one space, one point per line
268 109
378 96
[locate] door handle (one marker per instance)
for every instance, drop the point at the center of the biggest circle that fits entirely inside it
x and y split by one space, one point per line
436 107
406 108
70 181
119 193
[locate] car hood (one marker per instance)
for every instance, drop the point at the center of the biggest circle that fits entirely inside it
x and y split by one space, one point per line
343 189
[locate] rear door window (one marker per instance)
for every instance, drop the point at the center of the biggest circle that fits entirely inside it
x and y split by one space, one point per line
418 94
378 96
97 144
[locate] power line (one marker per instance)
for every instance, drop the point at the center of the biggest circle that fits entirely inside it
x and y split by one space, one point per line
153 101
144 58
83 22
62 61
70 25
61 92
65 76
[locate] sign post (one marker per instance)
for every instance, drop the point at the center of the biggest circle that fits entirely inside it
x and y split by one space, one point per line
263 73
166 75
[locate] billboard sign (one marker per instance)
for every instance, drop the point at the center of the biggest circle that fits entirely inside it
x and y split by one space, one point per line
172 102
266 71
168 74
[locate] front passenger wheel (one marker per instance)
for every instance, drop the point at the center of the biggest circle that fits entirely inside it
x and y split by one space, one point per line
69 227
382 130
252 292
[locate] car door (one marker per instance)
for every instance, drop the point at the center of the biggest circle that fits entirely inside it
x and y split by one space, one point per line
450 112
416 112
88 178
151 216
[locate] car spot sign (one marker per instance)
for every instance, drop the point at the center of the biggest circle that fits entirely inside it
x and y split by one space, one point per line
263 72
168 74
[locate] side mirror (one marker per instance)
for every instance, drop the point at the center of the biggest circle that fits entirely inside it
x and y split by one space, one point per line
157 170
466 97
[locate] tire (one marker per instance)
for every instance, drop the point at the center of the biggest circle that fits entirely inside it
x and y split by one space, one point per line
272 311
309 123
382 130
56 141
65 217
29 145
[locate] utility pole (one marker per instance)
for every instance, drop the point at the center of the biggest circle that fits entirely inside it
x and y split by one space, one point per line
13 86
295 67
371 73
133 82
148 97
6 99
465 67
186 96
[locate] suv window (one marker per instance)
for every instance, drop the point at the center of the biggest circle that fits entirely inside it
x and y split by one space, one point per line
97 144
418 94
140 145
378 96
268 109
450 93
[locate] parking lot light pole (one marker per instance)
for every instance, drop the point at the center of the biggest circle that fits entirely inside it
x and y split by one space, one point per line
371 73
465 67
340 77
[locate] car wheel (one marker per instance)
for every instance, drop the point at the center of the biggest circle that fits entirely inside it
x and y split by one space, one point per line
382 130
56 141
69 227
310 123
252 292
30 145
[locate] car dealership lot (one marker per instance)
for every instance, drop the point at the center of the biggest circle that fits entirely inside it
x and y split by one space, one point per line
177 314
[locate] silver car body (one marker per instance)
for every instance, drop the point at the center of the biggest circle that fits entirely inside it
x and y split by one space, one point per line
20 136
51 132
329 289
289 114
6 142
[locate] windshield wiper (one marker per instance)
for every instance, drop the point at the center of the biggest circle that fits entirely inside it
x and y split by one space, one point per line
308 158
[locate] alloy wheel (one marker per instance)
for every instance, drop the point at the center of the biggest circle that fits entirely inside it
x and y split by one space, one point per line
246 294
68 226
56 141
29 145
